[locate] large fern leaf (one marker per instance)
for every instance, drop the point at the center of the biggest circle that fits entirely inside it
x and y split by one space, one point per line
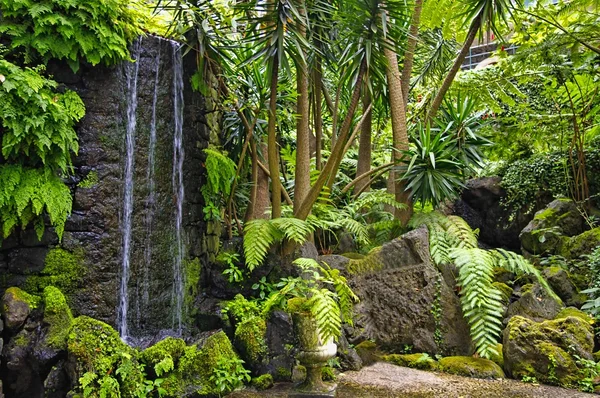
326 311
293 229
259 235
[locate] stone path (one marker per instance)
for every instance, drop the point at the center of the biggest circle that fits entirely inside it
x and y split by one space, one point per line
384 380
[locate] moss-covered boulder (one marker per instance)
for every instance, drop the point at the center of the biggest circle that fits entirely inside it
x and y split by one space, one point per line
579 245
547 350
368 352
561 283
16 306
417 361
262 382
535 303
547 231
480 368
572 311
58 317
168 349
498 357
249 339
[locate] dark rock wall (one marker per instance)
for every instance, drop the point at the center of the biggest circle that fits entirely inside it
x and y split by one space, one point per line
96 222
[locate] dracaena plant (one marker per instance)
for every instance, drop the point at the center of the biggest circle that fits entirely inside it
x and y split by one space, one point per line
324 293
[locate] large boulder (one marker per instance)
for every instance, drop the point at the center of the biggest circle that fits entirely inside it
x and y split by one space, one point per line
16 306
535 303
561 283
547 232
581 244
547 350
405 300
480 205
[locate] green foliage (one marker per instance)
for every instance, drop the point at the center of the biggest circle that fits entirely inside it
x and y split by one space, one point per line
592 305
451 240
90 180
262 382
221 172
192 269
93 30
329 305
240 309
229 374
249 338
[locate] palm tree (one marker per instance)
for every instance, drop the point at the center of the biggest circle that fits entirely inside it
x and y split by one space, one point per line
488 14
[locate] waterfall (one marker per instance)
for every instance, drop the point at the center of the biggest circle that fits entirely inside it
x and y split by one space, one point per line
144 302
178 188
132 76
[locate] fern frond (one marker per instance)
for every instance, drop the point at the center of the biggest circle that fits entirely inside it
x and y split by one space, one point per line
259 235
519 265
459 228
293 229
480 300
326 311
359 230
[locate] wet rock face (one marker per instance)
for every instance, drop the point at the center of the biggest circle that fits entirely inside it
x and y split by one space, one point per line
400 290
95 225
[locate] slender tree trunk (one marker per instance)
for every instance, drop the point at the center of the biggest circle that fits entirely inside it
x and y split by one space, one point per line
411 45
273 151
318 114
437 101
399 130
259 194
334 160
302 178
364 143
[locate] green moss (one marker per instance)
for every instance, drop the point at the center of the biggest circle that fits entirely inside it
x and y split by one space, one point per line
283 374
417 361
239 309
581 244
62 269
297 305
262 382
505 290
196 366
367 351
354 256
572 311
168 347
57 315
499 357
545 214
370 263
471 367
327 373
250 338
526 288
21 340
31 300
597 356
192 270
90 180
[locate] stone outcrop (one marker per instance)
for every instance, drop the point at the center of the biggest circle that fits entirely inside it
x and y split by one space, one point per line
535 303
400 291
547 350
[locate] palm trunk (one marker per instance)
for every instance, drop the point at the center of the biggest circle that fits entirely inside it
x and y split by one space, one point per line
437 101
411 45
399 130
259 194
364 144
336 153
273 151
318 115
302 178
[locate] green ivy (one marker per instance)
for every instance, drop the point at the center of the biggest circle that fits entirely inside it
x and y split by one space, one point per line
94 30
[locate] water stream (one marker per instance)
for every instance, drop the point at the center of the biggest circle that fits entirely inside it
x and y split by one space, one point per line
132 76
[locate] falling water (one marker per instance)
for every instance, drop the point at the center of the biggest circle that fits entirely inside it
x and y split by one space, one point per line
132 75
178 188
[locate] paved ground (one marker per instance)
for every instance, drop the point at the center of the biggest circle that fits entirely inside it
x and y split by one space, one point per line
384 380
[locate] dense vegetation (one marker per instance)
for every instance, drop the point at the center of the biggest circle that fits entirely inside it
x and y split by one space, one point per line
336 120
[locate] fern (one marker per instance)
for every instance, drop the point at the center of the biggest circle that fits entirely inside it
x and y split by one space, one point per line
221 172
259 235
324 308
293 229
451 240
94 30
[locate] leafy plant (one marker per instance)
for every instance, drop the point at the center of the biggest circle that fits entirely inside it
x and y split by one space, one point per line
324 292
221 172
72 30
592 305
233 273
229 374
452 241
264 288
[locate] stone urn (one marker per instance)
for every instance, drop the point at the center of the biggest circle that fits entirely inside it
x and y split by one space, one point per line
313 352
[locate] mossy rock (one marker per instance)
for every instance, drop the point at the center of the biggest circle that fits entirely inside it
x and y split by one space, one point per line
170 347
417 361
546 350
62 269
16 307
262 382
368 352
572 311
197 365
353 256
596 356
480 368
328 373
579 245
498 358
370 263
58 316
249 339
